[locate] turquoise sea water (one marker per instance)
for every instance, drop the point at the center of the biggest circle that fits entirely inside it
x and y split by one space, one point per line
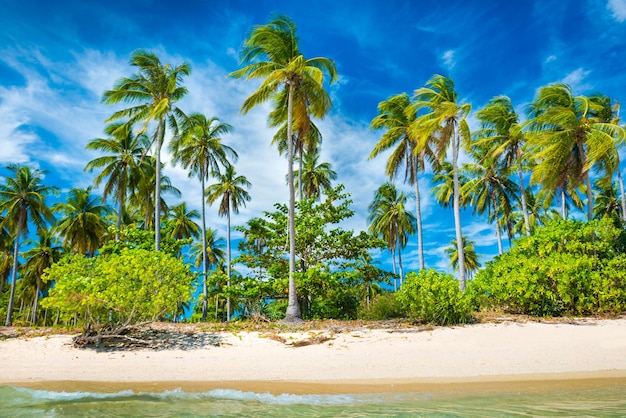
600 401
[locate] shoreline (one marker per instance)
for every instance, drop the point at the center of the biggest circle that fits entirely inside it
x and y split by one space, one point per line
486 357
449 387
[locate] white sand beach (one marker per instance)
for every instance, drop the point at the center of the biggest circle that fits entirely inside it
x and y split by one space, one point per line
365 359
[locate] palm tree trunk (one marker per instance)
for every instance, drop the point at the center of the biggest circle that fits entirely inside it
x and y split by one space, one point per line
589 197
400 261
563 204
160 134
293 310
205 290
118 225
418 217
621 188
36 302
457 210
524 207
395 268
497 224
228 262
16 246
300 175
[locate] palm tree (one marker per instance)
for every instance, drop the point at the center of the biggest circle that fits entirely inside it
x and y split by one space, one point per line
23 200
213 251
313 176
199 149
286 68
389 219
155 87
121 165
502 132
396 115
605 111
42 254
210 256
82 224
567 140
607 203
443 124
181 221
490 189
230 188
142 202
471 258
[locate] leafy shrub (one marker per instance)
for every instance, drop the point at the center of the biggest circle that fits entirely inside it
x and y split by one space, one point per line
434 297
567 268
383 306
132 286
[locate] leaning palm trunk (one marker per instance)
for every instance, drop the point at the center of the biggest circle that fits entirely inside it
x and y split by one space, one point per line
16 246
457 211
589 197
524 207
497 224
160 134
621 188
293 310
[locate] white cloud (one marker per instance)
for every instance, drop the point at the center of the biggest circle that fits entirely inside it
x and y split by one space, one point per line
575 80
618 9
551 58
448 59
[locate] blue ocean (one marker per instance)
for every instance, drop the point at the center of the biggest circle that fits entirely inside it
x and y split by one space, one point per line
568 399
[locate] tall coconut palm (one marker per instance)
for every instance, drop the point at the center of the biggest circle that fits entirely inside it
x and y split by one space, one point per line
198 147
604 110
43 253
396 115
153 91
472 264
567 140
23 201
490 189
81 223
442 122
230 188
389 219
306 138
285 68
502 132
121 167
313 177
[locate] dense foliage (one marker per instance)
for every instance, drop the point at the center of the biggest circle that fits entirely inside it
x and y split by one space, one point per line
119 289
567 268
434 297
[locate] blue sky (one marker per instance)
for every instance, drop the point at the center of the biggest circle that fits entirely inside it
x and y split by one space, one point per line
57 58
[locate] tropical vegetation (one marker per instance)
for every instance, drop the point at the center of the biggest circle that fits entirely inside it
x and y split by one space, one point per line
127 248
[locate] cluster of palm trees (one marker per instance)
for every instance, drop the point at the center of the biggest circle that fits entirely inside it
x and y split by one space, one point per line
564 140
130 168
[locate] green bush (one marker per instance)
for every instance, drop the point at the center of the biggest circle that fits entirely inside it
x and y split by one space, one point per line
383 306
434 297
567 268
132 286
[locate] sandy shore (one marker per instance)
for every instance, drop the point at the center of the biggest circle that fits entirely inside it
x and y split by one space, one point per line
358 360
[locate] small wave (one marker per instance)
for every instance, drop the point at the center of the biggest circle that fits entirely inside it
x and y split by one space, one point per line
36 395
